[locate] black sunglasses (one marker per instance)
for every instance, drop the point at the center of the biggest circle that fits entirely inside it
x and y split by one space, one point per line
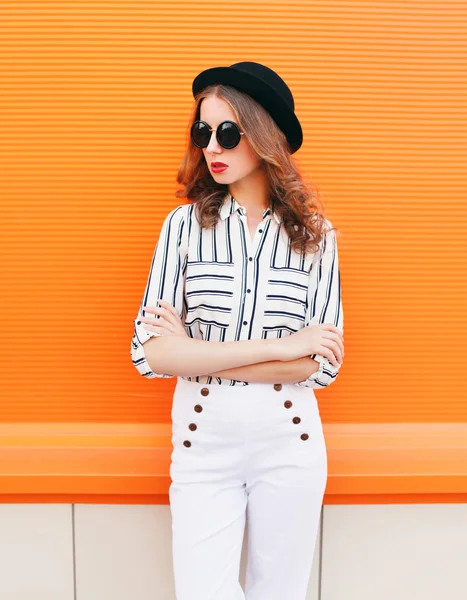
227 134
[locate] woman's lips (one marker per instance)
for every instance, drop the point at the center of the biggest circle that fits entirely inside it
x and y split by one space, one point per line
218 167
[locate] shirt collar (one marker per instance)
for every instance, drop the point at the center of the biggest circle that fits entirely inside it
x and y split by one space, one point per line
230 205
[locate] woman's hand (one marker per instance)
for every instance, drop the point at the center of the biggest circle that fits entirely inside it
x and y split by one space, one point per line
169 322
325 339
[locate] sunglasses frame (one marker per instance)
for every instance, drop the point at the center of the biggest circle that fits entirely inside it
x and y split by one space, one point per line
217 133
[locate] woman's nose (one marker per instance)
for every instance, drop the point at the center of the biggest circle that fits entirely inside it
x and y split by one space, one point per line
213 145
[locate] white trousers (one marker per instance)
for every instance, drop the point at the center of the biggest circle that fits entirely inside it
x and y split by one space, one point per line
254 453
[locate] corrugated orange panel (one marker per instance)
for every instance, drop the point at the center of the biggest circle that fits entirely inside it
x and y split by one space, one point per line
94 107
89 462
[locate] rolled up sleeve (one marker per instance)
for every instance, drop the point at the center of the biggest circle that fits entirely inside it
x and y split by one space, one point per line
166 281
324 305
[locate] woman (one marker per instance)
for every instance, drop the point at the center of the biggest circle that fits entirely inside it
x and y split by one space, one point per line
244 293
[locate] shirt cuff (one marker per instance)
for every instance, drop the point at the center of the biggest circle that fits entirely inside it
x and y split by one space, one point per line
323 377
138 354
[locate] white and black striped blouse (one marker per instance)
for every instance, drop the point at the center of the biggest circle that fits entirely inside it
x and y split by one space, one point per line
229 287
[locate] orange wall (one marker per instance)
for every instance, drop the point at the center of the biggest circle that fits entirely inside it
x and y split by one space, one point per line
94 110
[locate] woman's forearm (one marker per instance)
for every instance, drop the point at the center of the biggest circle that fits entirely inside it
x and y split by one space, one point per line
187 357
274 371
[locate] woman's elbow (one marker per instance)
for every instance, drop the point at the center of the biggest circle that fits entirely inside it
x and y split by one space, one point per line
147 368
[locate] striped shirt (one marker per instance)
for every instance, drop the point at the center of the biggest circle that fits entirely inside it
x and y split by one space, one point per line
227 286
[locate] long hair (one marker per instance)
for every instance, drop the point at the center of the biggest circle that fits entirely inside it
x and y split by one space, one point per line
291 196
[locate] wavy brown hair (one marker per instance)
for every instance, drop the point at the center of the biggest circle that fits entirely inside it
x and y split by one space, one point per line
293 197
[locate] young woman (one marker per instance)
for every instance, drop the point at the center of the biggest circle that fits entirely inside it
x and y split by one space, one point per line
245 309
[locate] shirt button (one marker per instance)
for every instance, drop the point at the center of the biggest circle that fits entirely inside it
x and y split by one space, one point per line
278 387
250 259
198 408
245 322
296 419
248 290
261 231
304 436
204 391
187 443
192 426
288 403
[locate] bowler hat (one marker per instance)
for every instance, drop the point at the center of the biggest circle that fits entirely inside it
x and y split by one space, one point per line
265 86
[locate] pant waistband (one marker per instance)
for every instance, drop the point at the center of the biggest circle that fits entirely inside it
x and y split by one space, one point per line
250 390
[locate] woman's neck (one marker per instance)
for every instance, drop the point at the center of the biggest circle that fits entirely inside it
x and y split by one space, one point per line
252 194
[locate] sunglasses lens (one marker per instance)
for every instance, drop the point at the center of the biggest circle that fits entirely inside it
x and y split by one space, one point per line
228 135
200 134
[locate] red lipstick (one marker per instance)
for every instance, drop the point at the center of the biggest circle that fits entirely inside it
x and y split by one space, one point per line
218 167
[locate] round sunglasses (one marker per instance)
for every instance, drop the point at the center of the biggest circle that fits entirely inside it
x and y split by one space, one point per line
228 134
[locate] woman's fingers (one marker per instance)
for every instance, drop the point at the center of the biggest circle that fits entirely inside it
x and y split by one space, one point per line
336 338
334 349
162 312
331 331
333 328
169 315
331 339
170 308
328 353
161 323
165 318
166 309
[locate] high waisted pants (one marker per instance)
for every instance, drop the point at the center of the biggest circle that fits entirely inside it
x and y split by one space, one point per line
254 453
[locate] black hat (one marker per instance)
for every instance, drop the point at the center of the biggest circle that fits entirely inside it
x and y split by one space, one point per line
265 86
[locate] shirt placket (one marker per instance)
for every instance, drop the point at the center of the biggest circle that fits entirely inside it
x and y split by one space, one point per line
252 246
